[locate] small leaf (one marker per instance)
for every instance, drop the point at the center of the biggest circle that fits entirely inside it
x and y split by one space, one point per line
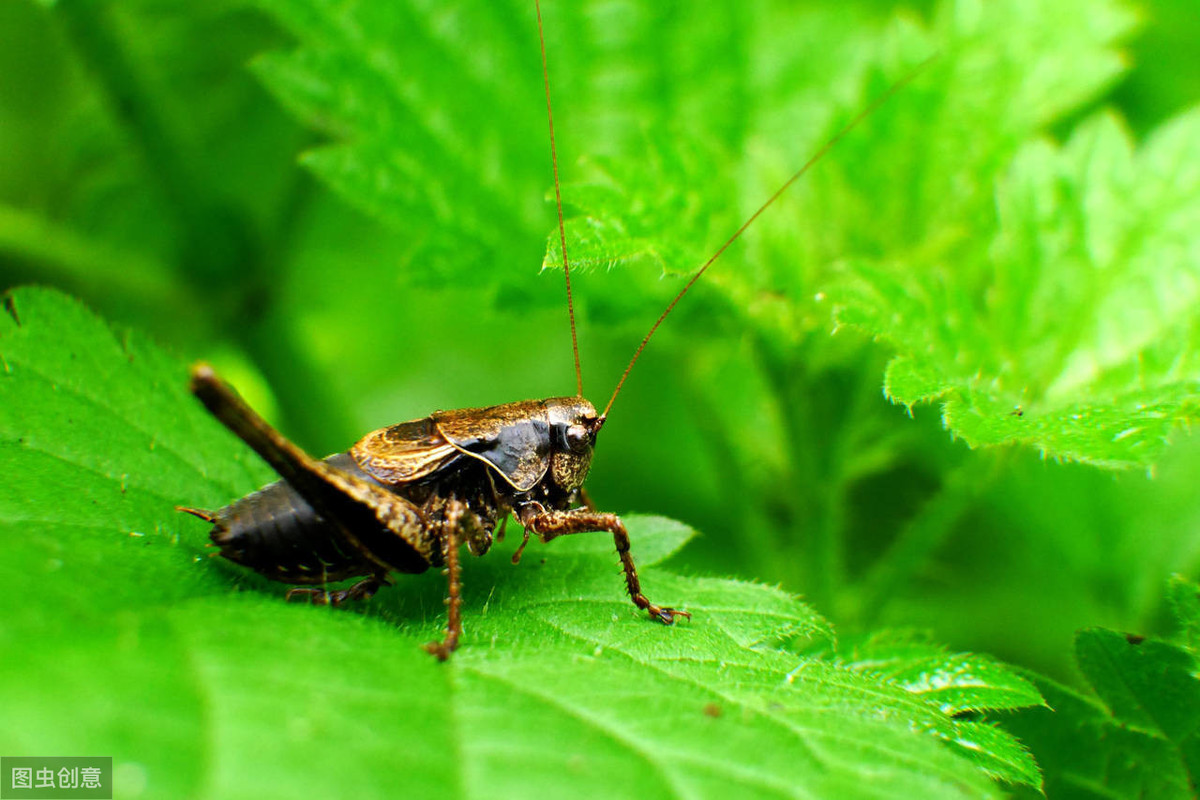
955 684
1139 736
1149 684
1085 753
1184 598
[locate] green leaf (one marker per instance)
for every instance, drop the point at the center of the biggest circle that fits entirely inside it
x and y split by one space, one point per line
909 178
1086 753
1139 736
201 681
415 145
1184 598
957 684
960 686
1149 684
1042 295
1085 344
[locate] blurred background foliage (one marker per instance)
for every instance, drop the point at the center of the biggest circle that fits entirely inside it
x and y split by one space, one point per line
169 163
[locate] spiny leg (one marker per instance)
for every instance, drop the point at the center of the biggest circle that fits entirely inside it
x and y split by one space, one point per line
546 525
442 650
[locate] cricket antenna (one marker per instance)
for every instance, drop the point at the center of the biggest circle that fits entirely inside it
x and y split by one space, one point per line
825 148
562 230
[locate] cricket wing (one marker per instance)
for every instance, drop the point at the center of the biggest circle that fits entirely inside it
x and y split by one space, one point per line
513 439
403 453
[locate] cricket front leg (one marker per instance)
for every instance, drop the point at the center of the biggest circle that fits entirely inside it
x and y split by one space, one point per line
546 525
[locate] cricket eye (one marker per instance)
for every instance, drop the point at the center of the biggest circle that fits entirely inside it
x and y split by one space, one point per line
578 438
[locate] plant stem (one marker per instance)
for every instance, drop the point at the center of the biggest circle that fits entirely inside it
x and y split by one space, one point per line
136 104
924 534
812 494
88 265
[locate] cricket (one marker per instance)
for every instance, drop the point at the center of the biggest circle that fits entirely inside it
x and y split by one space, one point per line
405 498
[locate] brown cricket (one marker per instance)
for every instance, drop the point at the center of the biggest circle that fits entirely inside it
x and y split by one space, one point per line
404 498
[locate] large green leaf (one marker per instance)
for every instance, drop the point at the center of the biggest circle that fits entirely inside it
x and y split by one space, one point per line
201 681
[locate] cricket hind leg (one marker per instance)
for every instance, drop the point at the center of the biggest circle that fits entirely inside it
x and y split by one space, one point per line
386 530
362 590
547 525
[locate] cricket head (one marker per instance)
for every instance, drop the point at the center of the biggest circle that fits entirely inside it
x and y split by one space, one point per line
573 427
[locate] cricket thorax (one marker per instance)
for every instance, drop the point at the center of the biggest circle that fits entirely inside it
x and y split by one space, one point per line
466 498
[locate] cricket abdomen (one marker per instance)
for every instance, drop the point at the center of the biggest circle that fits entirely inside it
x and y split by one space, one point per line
275 532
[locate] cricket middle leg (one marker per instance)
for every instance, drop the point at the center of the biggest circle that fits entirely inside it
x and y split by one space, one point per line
450 532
